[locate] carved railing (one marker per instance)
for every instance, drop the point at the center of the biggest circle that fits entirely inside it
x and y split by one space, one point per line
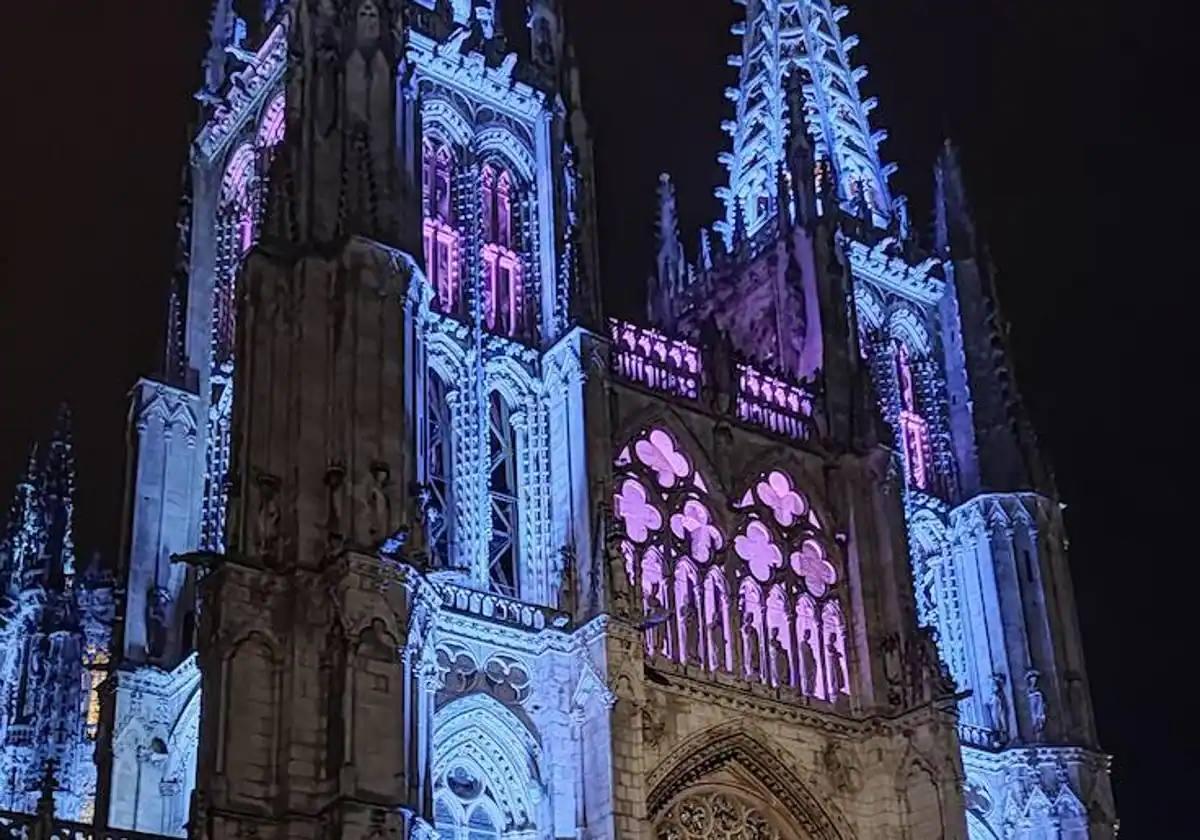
778 406
15 826
650 358
495 607
971 735
672 366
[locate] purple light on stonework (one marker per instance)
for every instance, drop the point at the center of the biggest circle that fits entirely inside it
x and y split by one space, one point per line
270 130
235 186
779 640
835 649
687 613
631 505
657 451
785 503
694 524
718 641
758 550
811 652
810 563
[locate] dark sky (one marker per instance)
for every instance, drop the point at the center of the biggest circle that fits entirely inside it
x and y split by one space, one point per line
1059 109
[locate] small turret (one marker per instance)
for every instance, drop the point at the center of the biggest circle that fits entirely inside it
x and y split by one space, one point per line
671 266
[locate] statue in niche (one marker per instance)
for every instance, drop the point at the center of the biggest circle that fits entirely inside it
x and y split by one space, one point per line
267 521
158 601
999 709
571 183
808 664
379 503
335 476
716 638
654 609
1037 704
750 642
780 660
565 573
691 628
719 367
837 679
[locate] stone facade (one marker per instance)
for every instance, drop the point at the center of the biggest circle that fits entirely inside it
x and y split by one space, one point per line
419 542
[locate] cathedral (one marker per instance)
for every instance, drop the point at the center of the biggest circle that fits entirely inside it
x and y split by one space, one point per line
421 542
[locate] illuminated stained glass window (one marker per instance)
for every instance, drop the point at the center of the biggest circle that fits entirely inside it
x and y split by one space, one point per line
503 289
754 595
443 257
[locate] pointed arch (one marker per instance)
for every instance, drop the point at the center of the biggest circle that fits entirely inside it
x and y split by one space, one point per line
513 152
670 421
906 326
773 781
477 740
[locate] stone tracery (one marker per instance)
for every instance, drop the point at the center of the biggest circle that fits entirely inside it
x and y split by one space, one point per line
785 627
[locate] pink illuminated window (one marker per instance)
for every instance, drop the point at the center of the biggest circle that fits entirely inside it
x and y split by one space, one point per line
755 597
914 431
270 130
503 290
504 211
236 194
502 294
443 257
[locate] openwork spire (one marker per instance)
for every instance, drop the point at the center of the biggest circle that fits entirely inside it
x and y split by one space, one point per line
38 541
779 38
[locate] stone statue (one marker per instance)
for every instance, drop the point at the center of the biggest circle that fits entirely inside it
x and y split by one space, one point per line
751 646
654 608
379 504
716 639
837 679
999 709
158 601
335 475
780 661
267 521
1037 704
691 629
808 664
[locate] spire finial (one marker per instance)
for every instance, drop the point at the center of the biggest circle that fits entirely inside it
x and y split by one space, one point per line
954 228
671 274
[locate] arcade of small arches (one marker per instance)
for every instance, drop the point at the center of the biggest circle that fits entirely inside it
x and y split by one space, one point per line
448 197
750 589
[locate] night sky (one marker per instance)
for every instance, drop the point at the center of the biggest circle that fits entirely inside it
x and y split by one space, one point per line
1059 108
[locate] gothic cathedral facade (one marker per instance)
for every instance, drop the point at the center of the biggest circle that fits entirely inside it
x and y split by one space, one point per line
419 542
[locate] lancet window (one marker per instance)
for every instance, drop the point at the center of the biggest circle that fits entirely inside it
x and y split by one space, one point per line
503 281
913 428
443 242
756 598
439 431
502 454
